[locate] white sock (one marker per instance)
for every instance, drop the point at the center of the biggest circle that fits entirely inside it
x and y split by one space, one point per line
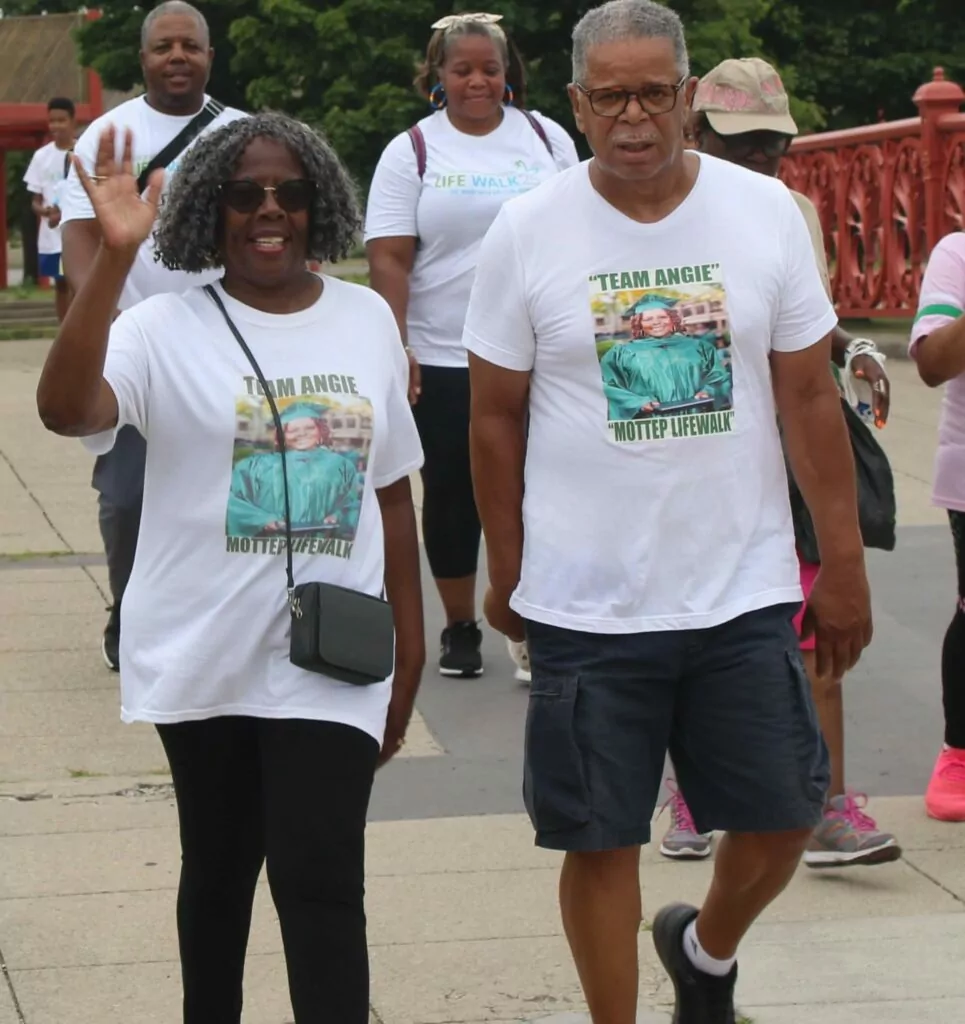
700 958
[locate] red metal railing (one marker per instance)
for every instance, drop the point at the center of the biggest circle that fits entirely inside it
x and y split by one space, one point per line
886 193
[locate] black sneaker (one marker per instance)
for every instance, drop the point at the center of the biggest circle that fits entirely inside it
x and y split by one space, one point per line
701 998
459 651
110 645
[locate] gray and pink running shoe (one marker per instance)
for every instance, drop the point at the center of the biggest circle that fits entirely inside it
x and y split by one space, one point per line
848 836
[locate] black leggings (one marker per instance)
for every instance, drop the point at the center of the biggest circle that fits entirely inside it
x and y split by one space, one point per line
450 522
294 793
953 650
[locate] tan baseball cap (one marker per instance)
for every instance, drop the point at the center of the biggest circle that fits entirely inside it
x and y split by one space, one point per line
744 95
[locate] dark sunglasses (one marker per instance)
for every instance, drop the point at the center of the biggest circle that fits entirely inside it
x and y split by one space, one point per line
771 144
246 196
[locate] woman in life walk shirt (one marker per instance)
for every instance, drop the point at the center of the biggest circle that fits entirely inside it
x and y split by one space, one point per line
269 761
938 347
435 192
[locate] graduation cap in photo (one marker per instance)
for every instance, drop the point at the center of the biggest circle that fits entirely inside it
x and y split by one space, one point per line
302 411
651 302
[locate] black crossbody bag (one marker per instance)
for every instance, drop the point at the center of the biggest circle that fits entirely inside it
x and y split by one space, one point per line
877 507
335 631
180 142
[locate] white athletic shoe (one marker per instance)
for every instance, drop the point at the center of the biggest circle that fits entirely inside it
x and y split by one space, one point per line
519 652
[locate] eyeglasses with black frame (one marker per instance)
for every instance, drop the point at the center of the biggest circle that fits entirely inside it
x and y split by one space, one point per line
245 196
656 98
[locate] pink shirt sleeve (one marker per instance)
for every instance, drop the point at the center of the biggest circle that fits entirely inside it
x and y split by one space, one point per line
942 298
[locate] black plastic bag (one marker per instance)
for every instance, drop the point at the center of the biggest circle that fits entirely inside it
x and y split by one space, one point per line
877 508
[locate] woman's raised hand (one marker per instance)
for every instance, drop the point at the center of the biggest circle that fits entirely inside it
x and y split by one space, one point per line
125 217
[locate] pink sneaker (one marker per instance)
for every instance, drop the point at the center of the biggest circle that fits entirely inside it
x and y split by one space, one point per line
683 841
945 796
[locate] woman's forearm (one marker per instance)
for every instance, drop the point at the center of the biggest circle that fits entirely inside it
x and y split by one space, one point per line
402 581
391 281
71 394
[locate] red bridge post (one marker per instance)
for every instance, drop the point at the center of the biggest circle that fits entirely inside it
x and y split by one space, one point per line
935 101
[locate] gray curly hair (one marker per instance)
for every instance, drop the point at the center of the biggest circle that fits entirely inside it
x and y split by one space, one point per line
188 234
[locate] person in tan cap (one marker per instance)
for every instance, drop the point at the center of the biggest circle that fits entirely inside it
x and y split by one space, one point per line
741 114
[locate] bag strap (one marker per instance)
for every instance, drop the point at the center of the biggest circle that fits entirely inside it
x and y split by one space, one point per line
67 156
280 437
418 141
181 141
539 129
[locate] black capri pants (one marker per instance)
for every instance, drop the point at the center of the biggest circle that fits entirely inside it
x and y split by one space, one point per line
450 522
293 793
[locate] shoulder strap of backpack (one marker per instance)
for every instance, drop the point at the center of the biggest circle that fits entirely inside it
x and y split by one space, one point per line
180 142
418 141
539 129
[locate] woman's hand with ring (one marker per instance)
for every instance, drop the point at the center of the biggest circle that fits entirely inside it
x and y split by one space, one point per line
126 219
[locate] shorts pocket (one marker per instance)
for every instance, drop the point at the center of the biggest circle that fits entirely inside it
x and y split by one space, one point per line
555 789
812 753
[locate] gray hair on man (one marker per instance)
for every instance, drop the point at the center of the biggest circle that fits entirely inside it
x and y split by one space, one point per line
620 20
173 7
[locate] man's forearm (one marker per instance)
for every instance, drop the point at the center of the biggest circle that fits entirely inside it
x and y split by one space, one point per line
819 450
81 242
498 447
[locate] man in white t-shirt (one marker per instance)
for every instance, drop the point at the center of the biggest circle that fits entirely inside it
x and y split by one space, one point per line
176 58
639 533
45 179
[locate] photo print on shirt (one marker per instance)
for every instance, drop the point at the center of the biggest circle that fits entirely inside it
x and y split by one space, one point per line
328 438
663 341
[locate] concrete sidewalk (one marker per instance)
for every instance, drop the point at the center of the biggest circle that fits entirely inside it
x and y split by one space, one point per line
463 920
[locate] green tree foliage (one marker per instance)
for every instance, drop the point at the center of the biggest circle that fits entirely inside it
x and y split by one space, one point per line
346 66
860 61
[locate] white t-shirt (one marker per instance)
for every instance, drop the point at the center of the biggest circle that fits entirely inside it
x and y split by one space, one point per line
205 612
467 180
152 131
45 177
656 496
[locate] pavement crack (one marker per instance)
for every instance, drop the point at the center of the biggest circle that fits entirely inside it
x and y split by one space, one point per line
934 881
33 497
17 1008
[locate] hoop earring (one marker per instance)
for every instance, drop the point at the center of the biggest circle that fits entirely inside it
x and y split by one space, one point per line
437 98
509 97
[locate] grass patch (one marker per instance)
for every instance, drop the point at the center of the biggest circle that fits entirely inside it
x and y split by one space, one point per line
27 333
27 293
27 556
82 773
